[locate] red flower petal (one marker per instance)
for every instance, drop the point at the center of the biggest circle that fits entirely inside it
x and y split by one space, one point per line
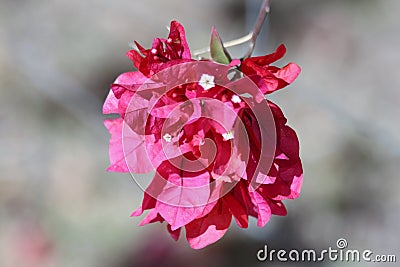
267 59
277 207
174 233
151 217
237 210
263 209
128 81
270 78
178 40
134 149
210 228
182 196
110 104
288 73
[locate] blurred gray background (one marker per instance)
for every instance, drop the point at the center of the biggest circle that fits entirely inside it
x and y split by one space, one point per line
58 206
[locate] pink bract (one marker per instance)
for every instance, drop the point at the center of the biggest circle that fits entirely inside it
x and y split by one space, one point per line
219 149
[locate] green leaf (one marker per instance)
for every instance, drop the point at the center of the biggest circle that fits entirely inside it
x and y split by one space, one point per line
217 49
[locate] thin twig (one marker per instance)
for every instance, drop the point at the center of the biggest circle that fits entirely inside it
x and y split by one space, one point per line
264 11
231 43
252 36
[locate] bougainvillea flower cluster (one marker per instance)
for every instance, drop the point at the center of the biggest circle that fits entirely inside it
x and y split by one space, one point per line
218 149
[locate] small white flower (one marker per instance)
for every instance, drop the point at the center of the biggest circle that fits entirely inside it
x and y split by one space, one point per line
236 99
207 81
167 137
228 135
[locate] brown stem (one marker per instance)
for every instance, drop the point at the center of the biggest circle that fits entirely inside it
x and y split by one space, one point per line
231 43
264 11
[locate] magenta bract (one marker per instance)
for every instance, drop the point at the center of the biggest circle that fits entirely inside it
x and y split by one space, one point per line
219 149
